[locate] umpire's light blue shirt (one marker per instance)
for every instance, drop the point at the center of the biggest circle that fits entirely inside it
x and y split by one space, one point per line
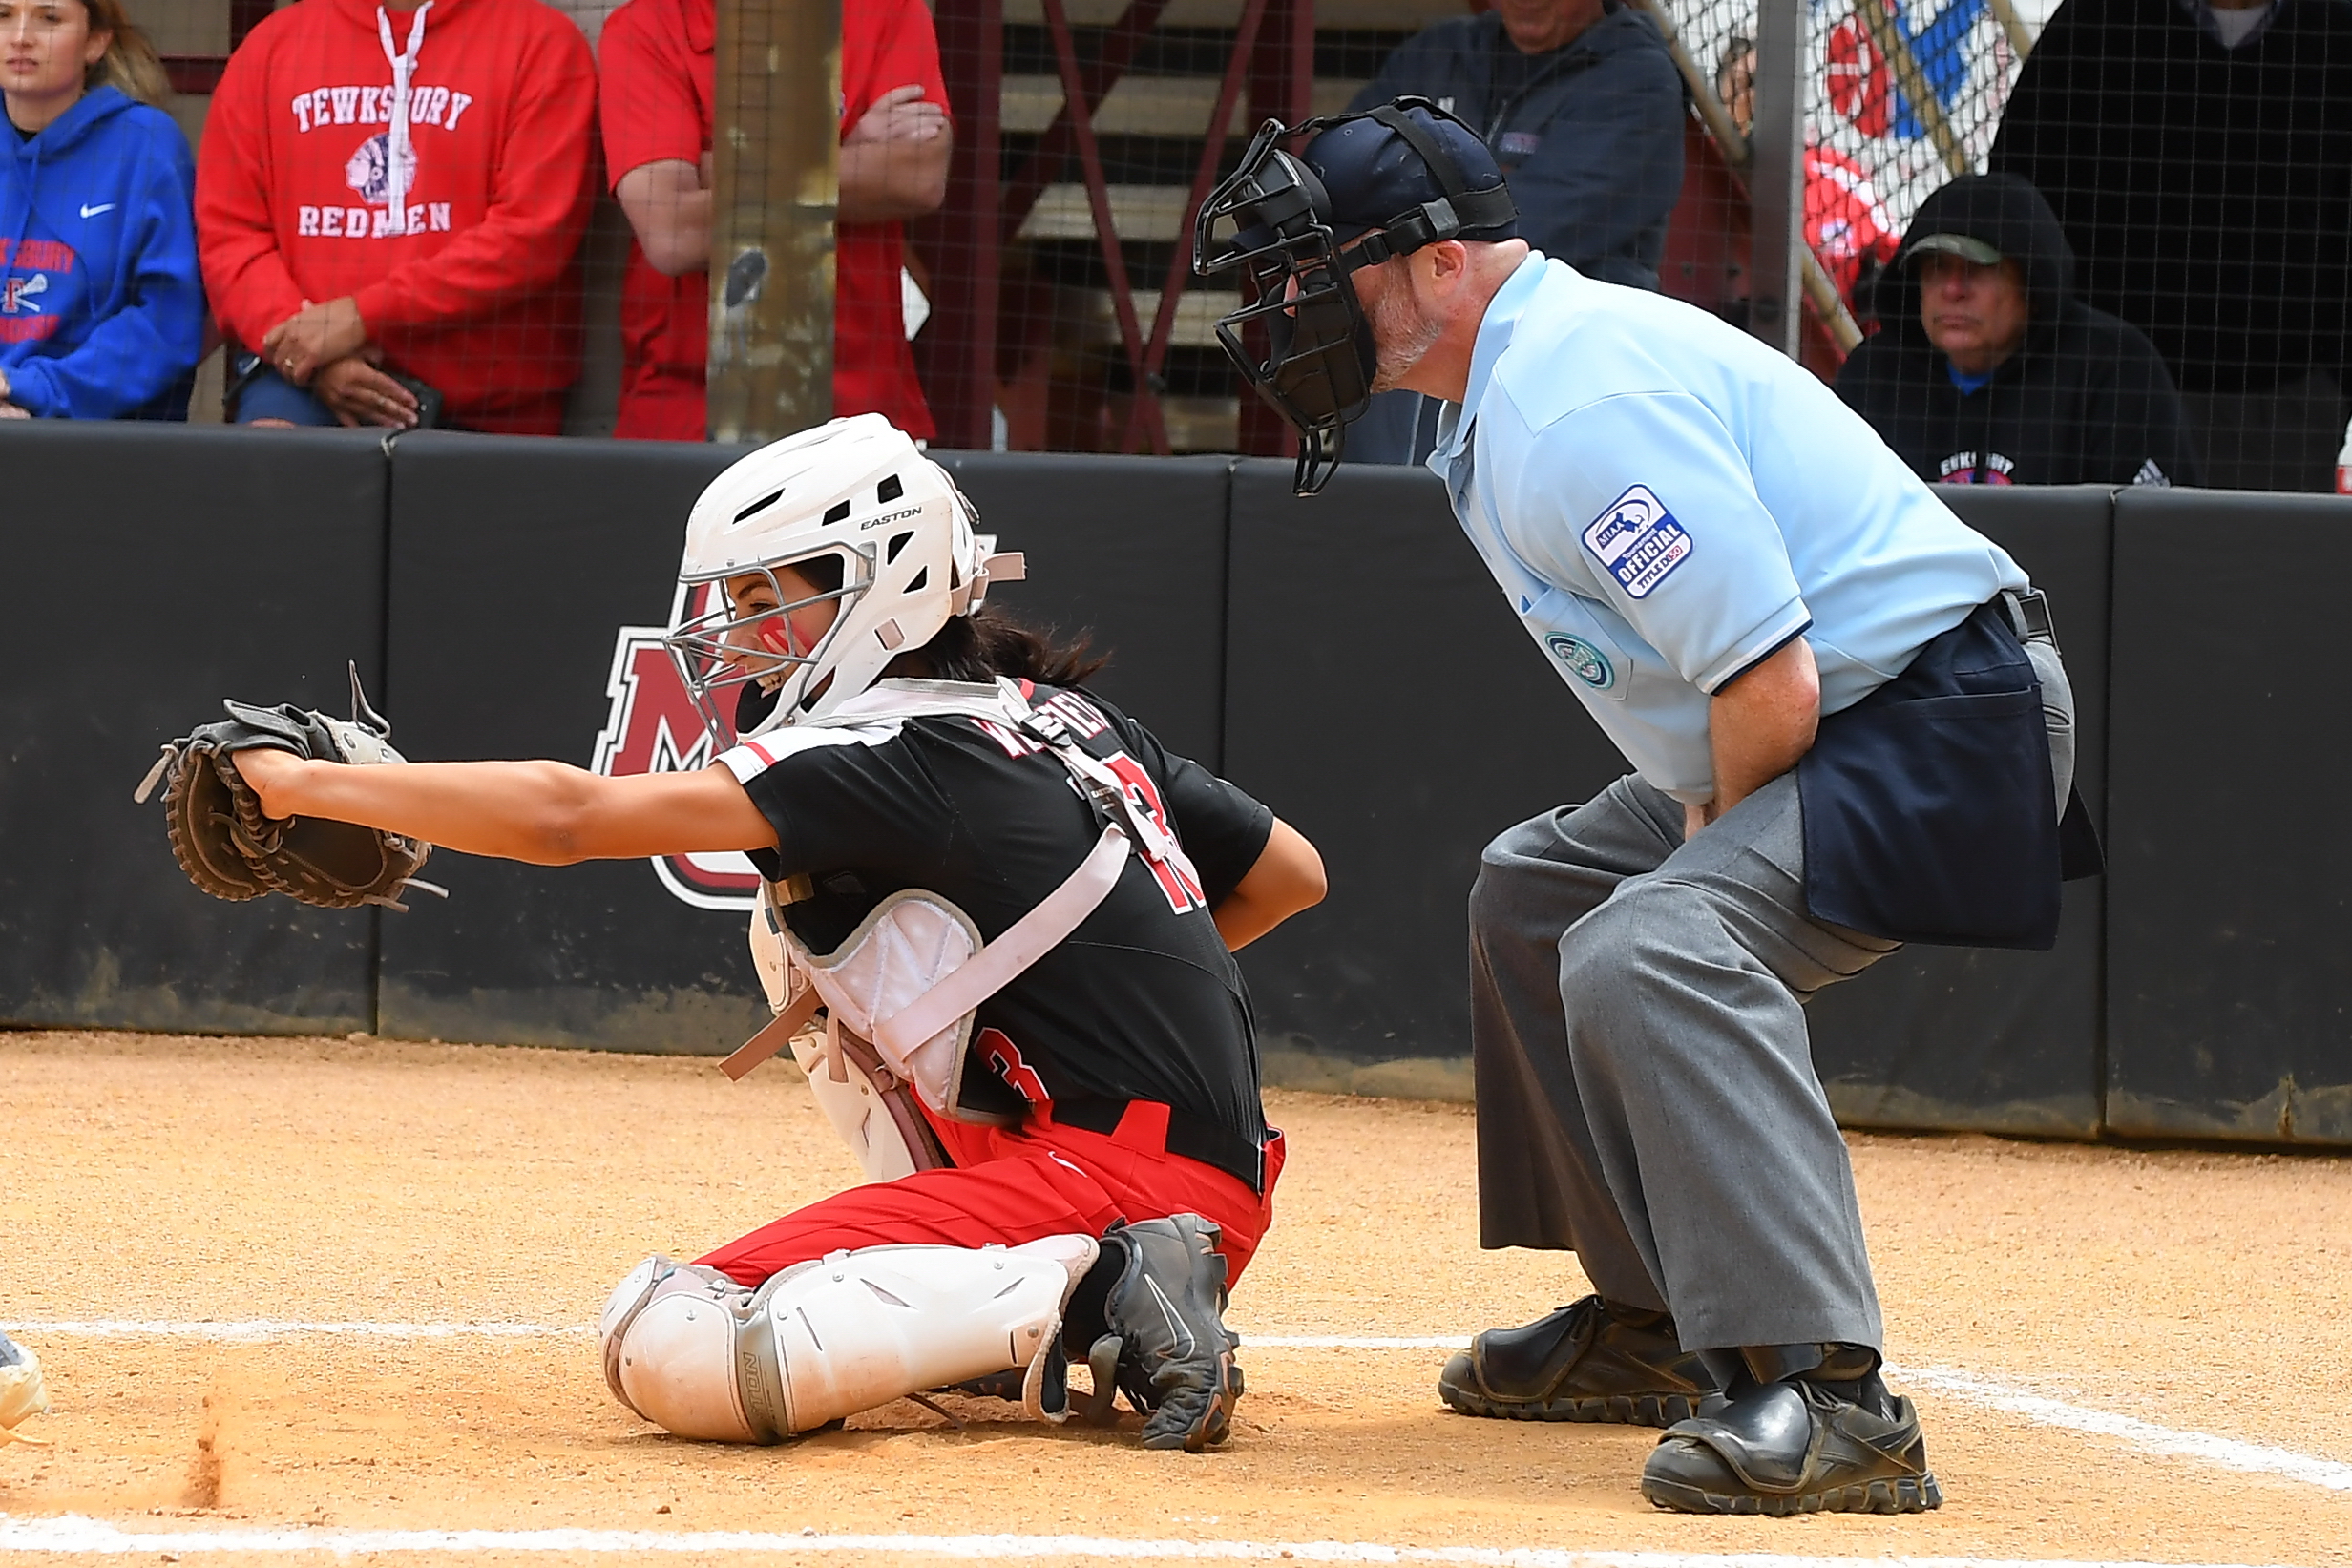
1666 501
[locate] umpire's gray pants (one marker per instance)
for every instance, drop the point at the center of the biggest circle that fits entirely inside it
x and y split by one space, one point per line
1646 1090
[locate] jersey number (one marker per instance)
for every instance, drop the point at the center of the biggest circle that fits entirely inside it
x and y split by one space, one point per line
1176 879
1003 1056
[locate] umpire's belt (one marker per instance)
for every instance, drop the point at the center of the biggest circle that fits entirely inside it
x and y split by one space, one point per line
1188 1136
1928 808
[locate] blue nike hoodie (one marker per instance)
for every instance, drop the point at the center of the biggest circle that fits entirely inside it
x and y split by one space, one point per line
101 303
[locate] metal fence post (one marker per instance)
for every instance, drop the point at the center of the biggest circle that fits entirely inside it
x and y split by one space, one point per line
1777 174
775 188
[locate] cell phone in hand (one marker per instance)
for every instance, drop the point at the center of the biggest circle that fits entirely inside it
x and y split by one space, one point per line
428 400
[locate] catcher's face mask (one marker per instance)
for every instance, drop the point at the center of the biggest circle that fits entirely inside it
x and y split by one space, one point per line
1284 238
759 640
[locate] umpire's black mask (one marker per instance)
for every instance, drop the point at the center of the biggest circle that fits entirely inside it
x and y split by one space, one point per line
1397 177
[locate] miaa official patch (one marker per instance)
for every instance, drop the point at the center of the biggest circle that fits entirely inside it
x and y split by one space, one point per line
1638 541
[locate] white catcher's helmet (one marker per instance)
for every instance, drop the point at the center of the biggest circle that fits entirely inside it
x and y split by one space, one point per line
855 491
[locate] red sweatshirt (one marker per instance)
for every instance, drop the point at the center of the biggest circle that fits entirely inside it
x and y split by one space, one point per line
472 287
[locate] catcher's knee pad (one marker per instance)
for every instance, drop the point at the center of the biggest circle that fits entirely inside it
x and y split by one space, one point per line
672 1336
21 1393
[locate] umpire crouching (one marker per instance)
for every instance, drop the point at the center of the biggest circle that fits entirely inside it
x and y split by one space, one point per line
1849 728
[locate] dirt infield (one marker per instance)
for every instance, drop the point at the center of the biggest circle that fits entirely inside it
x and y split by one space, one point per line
2204 1299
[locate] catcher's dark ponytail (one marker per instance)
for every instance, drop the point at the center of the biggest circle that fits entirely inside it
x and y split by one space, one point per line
988 643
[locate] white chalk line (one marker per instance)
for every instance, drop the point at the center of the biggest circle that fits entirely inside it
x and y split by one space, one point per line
2229 1452
265 1328
77 1535
2148 1436
261 1329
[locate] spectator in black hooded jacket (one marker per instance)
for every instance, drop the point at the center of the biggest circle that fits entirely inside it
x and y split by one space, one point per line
2199 155
1988 370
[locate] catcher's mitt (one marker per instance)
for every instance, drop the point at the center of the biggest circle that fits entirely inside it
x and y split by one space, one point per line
230 849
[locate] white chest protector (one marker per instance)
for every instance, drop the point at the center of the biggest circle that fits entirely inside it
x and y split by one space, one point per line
900 994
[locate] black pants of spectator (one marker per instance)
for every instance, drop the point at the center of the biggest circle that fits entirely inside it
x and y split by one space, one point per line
2285 437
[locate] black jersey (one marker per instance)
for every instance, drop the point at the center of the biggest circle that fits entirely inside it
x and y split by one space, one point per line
1143 1001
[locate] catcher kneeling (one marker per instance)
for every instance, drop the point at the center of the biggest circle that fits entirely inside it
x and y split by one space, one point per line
1015 910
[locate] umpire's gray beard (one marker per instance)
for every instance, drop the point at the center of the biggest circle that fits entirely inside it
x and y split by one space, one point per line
1401 336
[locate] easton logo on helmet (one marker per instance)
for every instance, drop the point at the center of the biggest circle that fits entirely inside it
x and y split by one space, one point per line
655 727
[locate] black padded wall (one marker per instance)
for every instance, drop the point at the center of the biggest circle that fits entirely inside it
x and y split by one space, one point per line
156 568
2230 981
1347 659
1382 699
1133 552
510 577
1973 1038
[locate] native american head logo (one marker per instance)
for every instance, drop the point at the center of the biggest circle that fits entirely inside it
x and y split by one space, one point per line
370 172
654 727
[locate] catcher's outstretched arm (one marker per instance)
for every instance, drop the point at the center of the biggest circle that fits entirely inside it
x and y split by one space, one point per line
547 813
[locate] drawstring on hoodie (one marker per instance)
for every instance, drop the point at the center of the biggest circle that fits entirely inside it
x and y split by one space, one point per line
24 219
396 139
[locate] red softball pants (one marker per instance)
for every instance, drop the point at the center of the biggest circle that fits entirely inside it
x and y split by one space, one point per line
1015 1185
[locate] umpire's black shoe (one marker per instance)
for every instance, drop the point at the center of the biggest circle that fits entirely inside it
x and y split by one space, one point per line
1174 1355
1796 1447
1590 1361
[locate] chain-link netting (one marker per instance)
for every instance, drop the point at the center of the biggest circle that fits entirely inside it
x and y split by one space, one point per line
469 215
2128 221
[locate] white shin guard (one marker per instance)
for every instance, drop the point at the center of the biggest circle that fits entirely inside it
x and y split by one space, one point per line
694 1352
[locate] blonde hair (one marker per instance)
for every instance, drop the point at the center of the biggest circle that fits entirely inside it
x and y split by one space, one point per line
130 63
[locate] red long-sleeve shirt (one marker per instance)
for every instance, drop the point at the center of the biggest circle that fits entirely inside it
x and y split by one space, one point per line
479 296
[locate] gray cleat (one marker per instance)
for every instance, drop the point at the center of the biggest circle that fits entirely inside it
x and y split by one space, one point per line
1175 1355
1590 1361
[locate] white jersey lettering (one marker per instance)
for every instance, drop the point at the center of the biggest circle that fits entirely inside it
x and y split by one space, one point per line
1013 740
1078 713
370 222
368 103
